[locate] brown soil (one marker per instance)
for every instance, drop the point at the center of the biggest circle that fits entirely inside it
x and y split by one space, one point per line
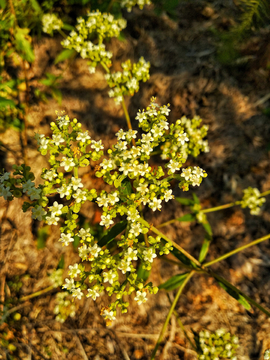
185 72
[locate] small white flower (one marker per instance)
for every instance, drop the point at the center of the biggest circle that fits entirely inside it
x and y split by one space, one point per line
106 220
110 276
55 209
76 183
52 220
92 293
174 166
68 163
97 145
69 284
83 136
74 270
149 255
140 297
155 204
168 195
66 239
107 314
77 293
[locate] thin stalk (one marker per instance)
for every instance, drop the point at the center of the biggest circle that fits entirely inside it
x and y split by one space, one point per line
38 293
221 207
61 32
105 67
76 174
178 247
225 256
167 223
265 193
164 327
127 119
110 5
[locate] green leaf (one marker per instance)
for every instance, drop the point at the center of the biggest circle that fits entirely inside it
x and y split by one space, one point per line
142 273
42 236
64 55
205 247
4 102
23 44
235 294
174 282
76 242
113 232
36 6
207 228
119 180
185 260
61 263
3 4
196 199
57 95
68 27
185 201
125 189
187 217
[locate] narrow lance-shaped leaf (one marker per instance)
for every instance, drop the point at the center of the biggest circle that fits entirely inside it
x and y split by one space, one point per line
184 201
113 232
187 217
142 273
205 247
174 282
64 55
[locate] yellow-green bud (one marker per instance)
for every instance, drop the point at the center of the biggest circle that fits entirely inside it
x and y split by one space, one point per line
75 121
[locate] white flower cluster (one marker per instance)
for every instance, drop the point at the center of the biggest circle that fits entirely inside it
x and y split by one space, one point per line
188 138
253 200
218 345
103 26
50 23
56 278
267 354
126 82
135 184
130 3
64 307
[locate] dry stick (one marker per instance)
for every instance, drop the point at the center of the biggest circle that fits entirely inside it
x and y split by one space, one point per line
162 332
170 340
125 354
2 293
80 347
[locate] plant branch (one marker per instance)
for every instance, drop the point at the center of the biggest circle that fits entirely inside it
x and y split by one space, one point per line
255 242
178 247
164 327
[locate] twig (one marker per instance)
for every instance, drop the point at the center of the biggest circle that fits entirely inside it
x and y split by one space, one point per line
80 347
2 293
168 344
262 100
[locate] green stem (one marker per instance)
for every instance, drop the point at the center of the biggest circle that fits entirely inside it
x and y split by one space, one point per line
127 119
184 330
255 242
61 32
164 327
265 193
76 174
221 207
167 223
31 296
105 67
178 247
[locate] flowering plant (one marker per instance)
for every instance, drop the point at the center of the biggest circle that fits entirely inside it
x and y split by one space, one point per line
111 263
